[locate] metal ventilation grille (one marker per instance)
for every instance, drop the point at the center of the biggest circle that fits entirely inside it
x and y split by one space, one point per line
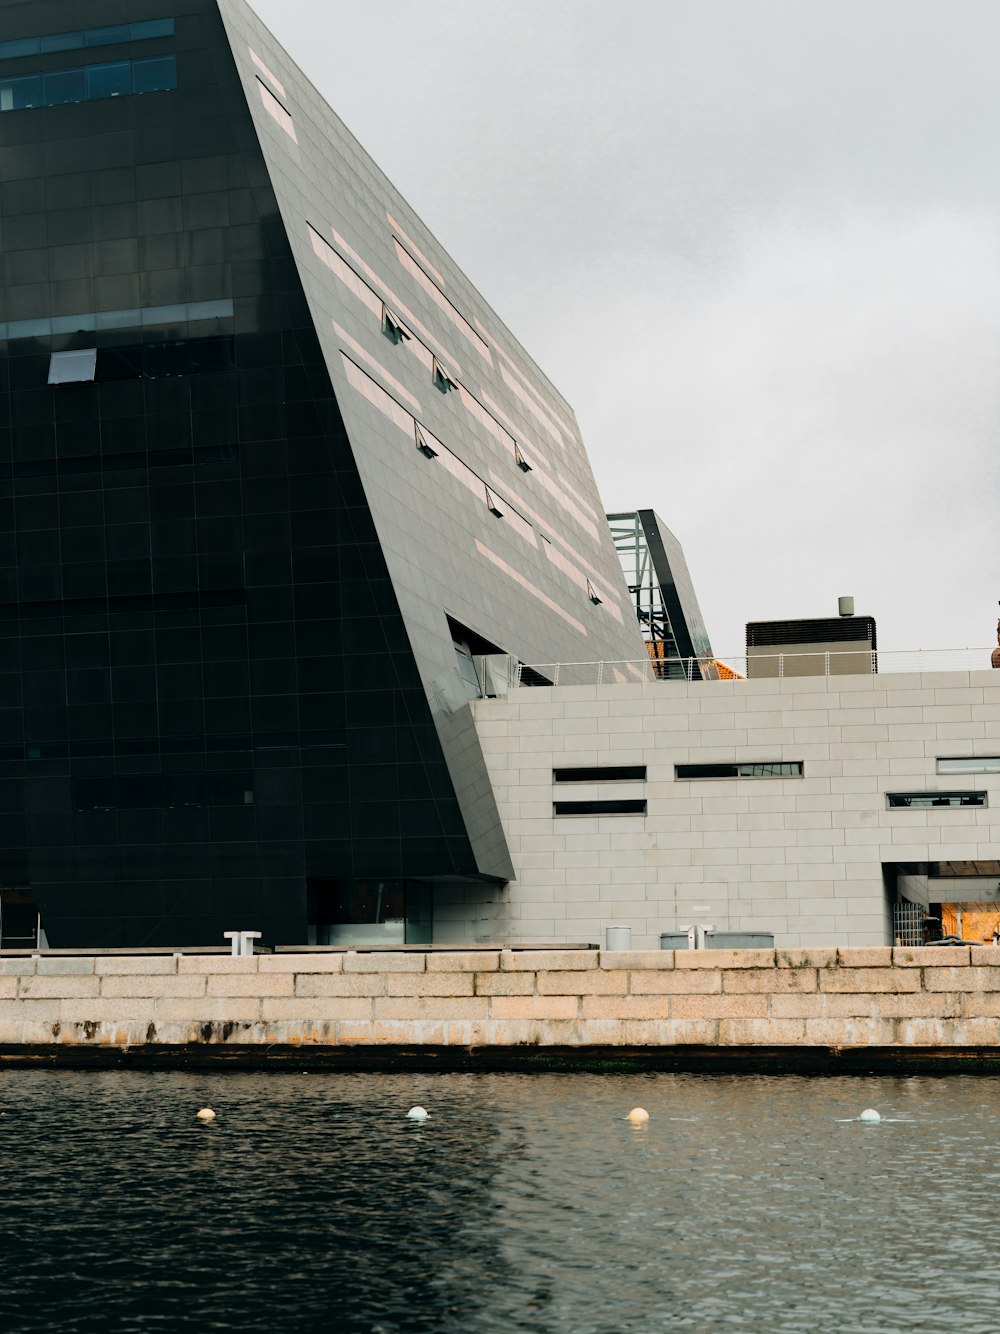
825 630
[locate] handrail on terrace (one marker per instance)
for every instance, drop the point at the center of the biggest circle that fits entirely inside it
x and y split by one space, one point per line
759 663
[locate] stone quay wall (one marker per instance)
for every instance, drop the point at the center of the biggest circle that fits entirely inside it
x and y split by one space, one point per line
860 998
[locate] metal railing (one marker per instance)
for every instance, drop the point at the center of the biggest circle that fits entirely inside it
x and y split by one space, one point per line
759 663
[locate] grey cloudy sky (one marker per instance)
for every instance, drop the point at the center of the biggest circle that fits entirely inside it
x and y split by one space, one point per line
756 243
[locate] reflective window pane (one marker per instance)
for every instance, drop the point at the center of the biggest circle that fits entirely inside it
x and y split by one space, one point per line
152 28
67 85
73 367
17 94
107 36
152 76
63 41
21 46
111 80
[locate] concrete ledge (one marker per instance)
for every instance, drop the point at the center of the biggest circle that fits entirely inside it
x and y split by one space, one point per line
581 1000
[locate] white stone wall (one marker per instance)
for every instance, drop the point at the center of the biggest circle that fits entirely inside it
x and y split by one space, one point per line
799 857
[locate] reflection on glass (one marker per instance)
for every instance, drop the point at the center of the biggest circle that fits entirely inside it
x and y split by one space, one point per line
111 80
66 85
154 76
74 41
18 94
89 82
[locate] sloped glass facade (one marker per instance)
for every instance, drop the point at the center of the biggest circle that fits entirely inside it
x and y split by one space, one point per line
207 698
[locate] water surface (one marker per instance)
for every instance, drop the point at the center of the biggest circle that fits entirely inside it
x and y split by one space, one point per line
526 1203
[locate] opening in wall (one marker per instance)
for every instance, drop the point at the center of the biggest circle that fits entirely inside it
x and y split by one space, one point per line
20 924
620 807
601 773
923 800
427 450
442 380
369 912
753 769
391 326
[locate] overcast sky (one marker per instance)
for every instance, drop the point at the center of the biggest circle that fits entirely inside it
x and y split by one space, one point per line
756 244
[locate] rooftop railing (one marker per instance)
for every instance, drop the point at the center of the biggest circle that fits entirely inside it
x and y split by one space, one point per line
758 664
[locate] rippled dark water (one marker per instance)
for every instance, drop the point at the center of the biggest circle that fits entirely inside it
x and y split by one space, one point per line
526 1203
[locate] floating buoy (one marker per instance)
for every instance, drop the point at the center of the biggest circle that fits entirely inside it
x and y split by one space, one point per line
638 1114
206 1114
870 1116
417 1114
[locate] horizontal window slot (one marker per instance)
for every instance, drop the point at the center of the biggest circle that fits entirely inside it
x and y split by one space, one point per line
599 808
928 800
608 773
751 769
88 83
141 318
86 38
980 764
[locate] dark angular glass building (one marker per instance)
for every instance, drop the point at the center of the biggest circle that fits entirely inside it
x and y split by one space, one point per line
276 485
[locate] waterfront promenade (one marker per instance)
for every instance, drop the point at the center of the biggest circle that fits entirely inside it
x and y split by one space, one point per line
788 1008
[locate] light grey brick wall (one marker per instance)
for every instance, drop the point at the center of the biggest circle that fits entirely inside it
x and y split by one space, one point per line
799 857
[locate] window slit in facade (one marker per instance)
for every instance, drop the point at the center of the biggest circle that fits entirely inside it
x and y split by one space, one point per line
426 449
88 83
442 380
391 326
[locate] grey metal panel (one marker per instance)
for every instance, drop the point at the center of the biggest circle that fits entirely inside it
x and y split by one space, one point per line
519 583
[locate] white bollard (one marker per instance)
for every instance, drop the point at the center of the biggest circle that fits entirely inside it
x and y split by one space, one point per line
617 937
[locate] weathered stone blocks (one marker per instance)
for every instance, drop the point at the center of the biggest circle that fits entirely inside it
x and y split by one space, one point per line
948 996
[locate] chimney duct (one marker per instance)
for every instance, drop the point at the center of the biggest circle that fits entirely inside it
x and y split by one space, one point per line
845 606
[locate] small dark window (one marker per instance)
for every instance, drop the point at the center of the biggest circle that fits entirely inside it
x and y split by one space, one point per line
520 460
491 503
391 327
442 380
426 449
111 80
592 594
608 773
924 800
754 769
155 76
599 808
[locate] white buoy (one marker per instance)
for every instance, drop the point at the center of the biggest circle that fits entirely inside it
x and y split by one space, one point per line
638 1114
870 1116
417 1114
206 1114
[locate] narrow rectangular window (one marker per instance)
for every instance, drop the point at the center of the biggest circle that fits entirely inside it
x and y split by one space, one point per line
67 85
927 800
755 769
599 808
111 80
440 376
422 444
442 380
598 773
73 367
520 460
391 327
156 75
492 504
978 764
593 594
